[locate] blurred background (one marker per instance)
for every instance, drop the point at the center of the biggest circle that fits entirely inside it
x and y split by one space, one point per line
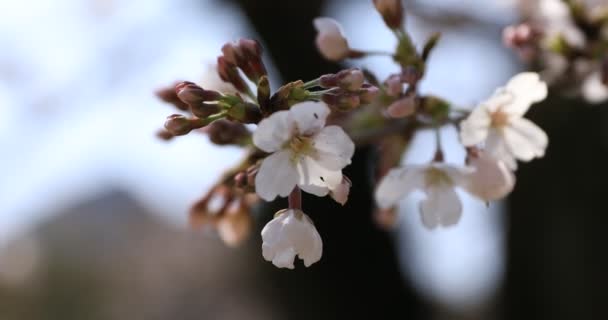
93 207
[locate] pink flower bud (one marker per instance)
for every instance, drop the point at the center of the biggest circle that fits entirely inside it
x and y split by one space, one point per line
330 39
350 80
178 125
391 12
402 107
193 95
229 73
393 86
168 94
368 93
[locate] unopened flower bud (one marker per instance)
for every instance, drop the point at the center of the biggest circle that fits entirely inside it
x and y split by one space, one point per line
178 125
164 135
231 53
402 108
393 86
224 132
203 110
391 12
330 39
368 93
169 95
229 73
193 95
341 100
264 94
518 35
350 80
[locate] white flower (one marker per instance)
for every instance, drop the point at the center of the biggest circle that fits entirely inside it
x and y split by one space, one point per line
499 122
304 152
330 39
593 89
438 180
291 233
491 180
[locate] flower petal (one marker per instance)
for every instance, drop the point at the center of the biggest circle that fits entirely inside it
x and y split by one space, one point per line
457 174
318 191
496 147
527 88
525 140
327 25
334 148
273 132
309 116
492 179
277 176
475 128
398 183
312 173
442 207
593 90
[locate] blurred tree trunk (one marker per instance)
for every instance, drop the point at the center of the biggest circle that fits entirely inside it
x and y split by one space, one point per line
557 257
359 275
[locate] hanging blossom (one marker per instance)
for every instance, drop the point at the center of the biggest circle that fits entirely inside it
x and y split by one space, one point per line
500 124
442 206
291 233
304 152
491 179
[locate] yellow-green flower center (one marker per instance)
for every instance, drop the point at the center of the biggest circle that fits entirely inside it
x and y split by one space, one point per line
300 146
437 177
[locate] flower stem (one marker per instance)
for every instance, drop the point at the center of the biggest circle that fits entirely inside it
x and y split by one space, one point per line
439 150
311 84
295 199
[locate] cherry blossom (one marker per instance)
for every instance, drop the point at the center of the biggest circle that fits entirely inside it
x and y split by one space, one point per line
438 181
291 233
304 152
491 180
499 122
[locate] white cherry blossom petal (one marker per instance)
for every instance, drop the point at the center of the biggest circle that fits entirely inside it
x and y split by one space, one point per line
273 132
527 88
458 175
277 176
492 179
525 140
289 234
442 207
593 90
475 128
312 173
309 116
397 184
318 191
496 147
334 148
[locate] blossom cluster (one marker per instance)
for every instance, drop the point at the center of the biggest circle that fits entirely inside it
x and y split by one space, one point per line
306 133
567 41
